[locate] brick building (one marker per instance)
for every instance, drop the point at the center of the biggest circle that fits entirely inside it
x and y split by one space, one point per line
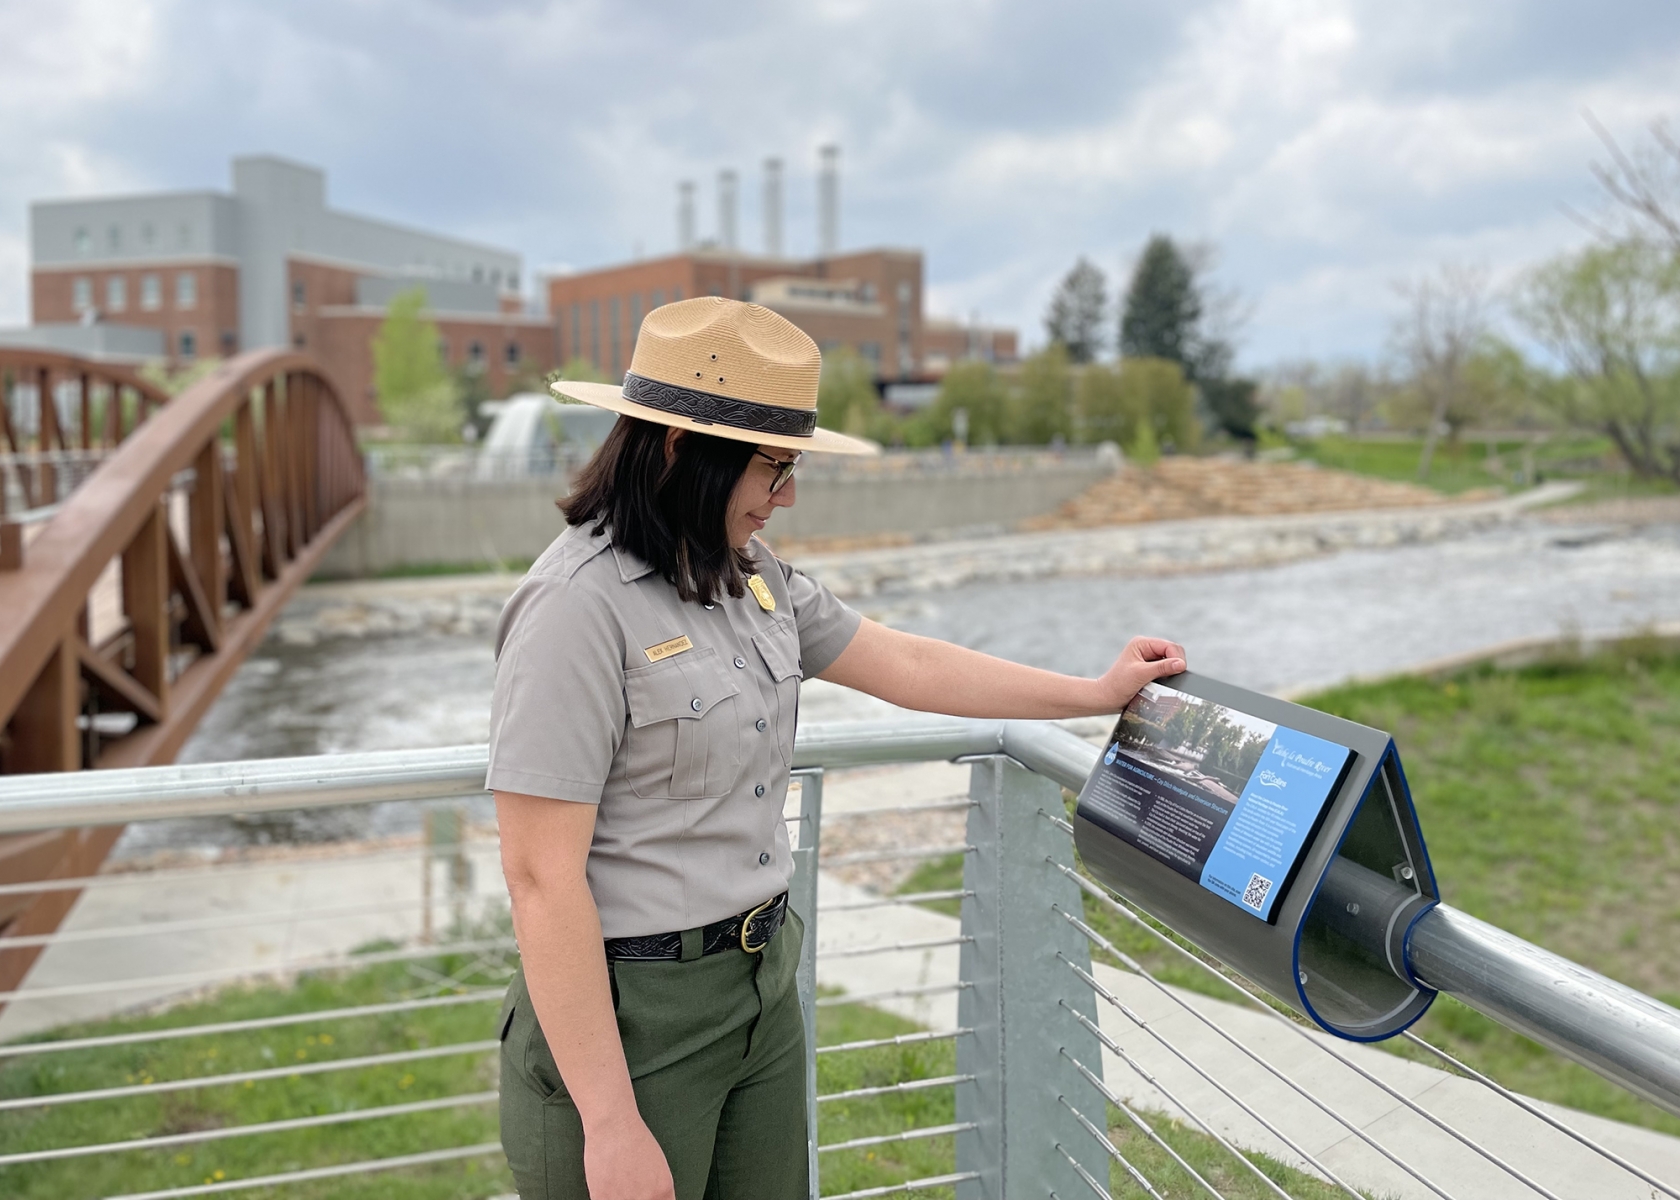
869 301
269 264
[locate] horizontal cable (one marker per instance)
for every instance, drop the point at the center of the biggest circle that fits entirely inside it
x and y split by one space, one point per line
1368 1076
1090 1180
939 806
231 1131
220 921
906 898
261 1074
1108 1094
1535 1110
298 966
1142 1125
1065 826
926 989
869 856
909 1135
1132 964
1281 1136
912 1185
1138 1177
477 996
903 1039
909 1085
336 1170
893 947
79 883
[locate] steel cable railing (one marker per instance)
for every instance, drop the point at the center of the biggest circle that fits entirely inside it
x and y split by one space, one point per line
999 994
1404 1100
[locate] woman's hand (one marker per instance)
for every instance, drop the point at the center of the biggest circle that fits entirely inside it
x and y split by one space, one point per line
1144 660
623 1161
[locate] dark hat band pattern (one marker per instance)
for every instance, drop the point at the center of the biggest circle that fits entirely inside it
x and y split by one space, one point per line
706 408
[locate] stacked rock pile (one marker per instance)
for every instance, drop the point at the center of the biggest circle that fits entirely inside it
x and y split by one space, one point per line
1182 487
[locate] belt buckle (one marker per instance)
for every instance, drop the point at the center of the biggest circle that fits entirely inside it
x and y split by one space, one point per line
746 924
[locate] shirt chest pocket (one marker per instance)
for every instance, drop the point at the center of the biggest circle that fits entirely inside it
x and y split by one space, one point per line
684 739
778 646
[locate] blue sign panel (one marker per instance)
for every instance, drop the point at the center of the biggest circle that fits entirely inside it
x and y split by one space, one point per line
1222 797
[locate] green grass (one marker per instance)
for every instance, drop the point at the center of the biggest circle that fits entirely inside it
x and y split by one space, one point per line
1468 465
276 1099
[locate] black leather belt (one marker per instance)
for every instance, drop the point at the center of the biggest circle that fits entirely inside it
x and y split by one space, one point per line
750 931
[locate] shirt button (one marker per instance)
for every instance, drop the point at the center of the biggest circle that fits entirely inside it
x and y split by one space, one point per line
759 790
761 724
739 661
695 704
764 859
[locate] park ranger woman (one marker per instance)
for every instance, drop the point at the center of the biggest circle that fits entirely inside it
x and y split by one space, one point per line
641 735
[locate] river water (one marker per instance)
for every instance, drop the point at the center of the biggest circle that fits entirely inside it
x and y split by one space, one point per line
1306 623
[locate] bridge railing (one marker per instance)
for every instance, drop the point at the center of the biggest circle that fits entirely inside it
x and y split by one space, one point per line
129 599
1074 1068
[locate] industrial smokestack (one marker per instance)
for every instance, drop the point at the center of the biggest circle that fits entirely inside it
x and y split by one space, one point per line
773 207
685 215
726 210
828 201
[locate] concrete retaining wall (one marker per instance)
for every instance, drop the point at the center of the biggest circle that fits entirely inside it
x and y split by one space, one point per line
424 522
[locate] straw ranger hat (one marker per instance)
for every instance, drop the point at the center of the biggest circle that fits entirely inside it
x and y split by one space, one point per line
727 368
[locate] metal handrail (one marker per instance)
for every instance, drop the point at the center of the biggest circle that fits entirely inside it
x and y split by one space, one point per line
1610 1028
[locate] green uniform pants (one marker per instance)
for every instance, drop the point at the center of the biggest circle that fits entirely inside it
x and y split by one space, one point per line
716 1049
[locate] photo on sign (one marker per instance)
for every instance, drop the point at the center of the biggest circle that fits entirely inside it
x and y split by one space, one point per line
1207 746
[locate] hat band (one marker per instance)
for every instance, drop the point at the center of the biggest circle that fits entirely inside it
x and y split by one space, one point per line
706 408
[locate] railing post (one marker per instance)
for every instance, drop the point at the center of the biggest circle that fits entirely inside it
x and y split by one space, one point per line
802 898
1015 1004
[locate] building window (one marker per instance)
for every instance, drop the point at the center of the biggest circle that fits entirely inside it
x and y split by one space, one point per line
113 238
230 343
676 294
184 235
511 355
513 281
148 235
612 316
478 273
903 291
656 299
866 293
635 317
116 293
186 290
84 242
189 343
299 341
151 293
81 293
576 348
475 354
299 295
871 352
595 333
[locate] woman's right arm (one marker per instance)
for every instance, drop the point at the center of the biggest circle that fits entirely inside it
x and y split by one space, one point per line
545 845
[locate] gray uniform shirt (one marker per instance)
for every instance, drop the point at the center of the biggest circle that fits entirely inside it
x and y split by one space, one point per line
685 748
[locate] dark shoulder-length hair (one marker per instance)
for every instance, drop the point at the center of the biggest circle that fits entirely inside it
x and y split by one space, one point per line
672 515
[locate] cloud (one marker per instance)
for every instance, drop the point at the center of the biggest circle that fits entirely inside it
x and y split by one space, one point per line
1327 146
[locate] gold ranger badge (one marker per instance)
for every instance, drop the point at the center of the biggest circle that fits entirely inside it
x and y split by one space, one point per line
761 592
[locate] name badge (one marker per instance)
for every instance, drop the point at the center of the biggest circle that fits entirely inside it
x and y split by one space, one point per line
761 592
676 645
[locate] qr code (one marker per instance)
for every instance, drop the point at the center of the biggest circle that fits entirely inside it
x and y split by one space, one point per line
1255 895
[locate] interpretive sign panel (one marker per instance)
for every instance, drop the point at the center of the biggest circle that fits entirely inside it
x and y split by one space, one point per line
1223 797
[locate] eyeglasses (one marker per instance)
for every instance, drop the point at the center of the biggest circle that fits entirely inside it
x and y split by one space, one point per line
784 468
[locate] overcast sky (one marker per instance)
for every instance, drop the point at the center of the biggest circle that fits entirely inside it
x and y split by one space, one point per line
1327 148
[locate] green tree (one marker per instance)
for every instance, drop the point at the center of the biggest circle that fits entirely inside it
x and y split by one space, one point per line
846 395
1078 311
1163 307
1611 314
1444 324
974 388
1043 407
416 393
1108 410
